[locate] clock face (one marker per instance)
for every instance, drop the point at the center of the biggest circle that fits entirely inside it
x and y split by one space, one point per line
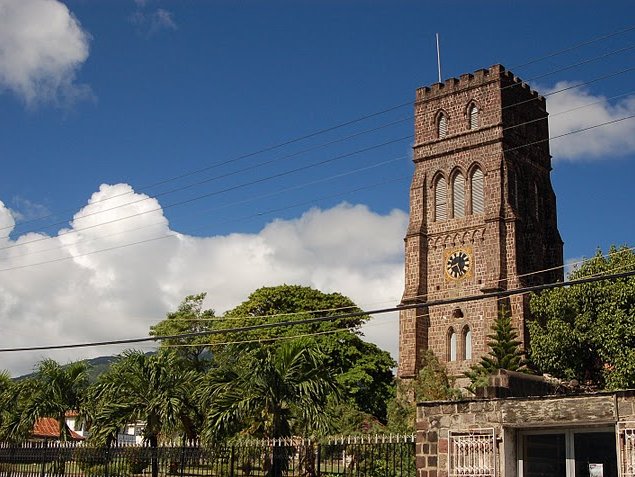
458 264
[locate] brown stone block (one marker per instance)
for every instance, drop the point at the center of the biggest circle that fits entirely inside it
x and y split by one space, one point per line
423 424
421 462
443 446
624 408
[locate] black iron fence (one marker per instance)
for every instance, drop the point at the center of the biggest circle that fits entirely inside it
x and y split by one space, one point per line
367 456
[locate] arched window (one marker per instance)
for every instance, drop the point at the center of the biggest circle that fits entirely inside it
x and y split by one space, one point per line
473 116
442 126
458 195
478 196
451 345
440 199
467 343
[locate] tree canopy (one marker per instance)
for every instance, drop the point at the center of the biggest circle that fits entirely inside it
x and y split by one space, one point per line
152 388
587 332
282 390
190 317
362 368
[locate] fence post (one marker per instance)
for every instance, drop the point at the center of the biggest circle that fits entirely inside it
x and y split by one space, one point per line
318 453
231 462
43 454
183 457
106 458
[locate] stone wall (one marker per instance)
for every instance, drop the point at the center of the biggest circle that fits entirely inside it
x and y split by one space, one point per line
436 421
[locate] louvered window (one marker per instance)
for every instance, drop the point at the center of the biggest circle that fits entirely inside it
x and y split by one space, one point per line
458 195
440 199
478 197
473 117
443 126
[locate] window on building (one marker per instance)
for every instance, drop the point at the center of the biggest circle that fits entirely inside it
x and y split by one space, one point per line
442 126
451 345
473 115
513 190
478 196
440 199
467 343
458 195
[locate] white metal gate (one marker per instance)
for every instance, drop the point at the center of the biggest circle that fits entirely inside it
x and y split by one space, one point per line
472 453
626 446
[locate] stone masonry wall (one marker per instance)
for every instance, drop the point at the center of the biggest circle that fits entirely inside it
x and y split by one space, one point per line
436 420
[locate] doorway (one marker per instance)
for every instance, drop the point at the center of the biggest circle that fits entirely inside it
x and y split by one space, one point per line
588 452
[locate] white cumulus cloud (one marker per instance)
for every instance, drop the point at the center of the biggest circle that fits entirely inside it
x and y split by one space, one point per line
42 45
83 296
576 109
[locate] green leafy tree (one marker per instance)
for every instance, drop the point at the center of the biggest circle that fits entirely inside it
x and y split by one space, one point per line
190 317
505 352
156 389
587 332
362 368
274 392
431 384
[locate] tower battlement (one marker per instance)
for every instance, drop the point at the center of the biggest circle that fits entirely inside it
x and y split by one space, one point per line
475 80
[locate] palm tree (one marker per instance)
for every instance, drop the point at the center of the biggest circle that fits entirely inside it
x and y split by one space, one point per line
278 391
152 388
58 389
52 392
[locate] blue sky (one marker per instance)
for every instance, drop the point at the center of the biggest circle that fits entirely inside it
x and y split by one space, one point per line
113 99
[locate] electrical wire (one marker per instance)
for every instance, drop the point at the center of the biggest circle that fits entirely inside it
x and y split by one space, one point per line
335 127
240 329
281 174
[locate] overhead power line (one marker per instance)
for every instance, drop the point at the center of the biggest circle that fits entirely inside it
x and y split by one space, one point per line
355 120
283 324
281 174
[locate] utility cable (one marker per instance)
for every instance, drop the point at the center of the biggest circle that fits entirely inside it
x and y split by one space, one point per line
250 183
448 301
217 177
248 200
292 171
337 126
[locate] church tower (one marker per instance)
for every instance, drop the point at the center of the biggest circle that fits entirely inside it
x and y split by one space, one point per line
482 215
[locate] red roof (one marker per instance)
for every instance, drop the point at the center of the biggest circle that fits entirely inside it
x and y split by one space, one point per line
48 428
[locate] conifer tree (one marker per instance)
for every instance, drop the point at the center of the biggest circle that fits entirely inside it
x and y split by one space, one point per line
505 352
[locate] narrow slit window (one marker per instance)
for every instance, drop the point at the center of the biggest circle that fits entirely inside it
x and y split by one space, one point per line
478 197
458 195
451 345
441 200
467 340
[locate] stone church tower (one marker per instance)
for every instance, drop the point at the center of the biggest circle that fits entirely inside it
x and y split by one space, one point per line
482 214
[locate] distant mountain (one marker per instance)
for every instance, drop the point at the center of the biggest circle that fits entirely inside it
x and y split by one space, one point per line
96 366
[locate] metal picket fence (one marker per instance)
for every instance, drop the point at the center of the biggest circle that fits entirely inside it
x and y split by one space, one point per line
359 456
